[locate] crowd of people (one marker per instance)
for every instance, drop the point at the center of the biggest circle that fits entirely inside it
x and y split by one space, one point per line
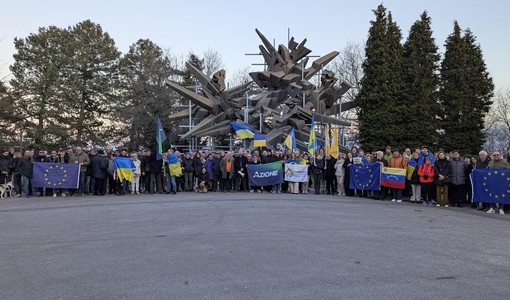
440 178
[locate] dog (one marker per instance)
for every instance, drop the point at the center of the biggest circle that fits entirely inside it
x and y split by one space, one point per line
6 189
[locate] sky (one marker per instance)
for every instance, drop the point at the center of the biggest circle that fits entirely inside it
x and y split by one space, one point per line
228 27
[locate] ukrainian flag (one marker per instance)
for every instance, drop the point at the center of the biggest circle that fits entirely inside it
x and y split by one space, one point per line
124 167
259 140
290 141
243 131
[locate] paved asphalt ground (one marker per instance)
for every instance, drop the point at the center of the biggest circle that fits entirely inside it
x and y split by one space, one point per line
249 246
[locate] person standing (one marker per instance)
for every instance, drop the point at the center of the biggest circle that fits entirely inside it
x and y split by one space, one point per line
441 169
6 162
99 167
80 157
227 172
457 175
497 162
26 168
318 170
426 178
397 161
414 179
340 174
293 160
135 184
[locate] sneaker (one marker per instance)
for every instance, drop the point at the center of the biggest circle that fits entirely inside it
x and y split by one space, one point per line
491 211
54 195
132 193
138 193
393 200
446 205
63 194
251 191
399 201
439 205
501 212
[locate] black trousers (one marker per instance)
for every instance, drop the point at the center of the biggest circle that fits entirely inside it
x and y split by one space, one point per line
457 194
317 182
99 186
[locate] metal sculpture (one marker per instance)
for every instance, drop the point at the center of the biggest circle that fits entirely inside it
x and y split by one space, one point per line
287 98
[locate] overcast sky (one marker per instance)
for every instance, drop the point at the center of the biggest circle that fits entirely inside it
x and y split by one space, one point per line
229 26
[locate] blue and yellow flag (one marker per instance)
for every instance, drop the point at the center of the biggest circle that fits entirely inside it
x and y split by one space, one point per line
290 141
491 185
124 167
160 138
334 150
312 142
60 176
259 140
243 131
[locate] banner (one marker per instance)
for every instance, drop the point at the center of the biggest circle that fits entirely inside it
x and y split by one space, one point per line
491 185
365 177
296 173
266 174
60 176
393 178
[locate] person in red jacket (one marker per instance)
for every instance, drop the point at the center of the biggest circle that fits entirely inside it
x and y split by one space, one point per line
426 175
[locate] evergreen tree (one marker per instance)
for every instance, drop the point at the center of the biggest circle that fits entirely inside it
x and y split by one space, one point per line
381 117
420 72
8 118
194 60
36 75
465 94
91 82
144 70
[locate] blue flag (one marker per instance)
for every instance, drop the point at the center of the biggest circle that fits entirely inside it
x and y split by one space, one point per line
160 138
365 176
59 176
491 185
265 174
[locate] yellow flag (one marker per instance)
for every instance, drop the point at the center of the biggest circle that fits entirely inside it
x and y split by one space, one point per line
334 151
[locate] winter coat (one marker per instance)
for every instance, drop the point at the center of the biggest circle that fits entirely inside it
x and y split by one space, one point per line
5 164
498 164
197 165
26 167
155 164
99 167
209 166
423 157
187 165
339 168
216 166
330 167
82 158
318 167
426 173
441 166
457 172
223 168
483 164
397 162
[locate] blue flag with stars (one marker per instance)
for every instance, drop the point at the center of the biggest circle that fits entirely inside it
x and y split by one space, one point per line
365 176
58 176
491 185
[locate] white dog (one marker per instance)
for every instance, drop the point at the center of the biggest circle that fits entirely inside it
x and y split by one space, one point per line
6 189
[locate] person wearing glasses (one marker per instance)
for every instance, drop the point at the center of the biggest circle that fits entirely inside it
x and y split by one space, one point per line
497 162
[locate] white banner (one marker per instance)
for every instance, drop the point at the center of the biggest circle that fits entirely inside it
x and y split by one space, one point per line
296 173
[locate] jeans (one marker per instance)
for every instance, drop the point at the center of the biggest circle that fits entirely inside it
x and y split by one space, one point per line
171 185
81 187
27 186
188 181
397 194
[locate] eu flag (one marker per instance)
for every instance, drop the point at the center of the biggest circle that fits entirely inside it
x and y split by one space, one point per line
365 176
491 185
59 176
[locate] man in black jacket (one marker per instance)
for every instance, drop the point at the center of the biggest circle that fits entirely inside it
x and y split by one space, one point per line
6 162
240 162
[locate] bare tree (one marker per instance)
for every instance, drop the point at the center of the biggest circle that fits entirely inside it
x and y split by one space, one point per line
497 123
212 62
348 67
239 77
